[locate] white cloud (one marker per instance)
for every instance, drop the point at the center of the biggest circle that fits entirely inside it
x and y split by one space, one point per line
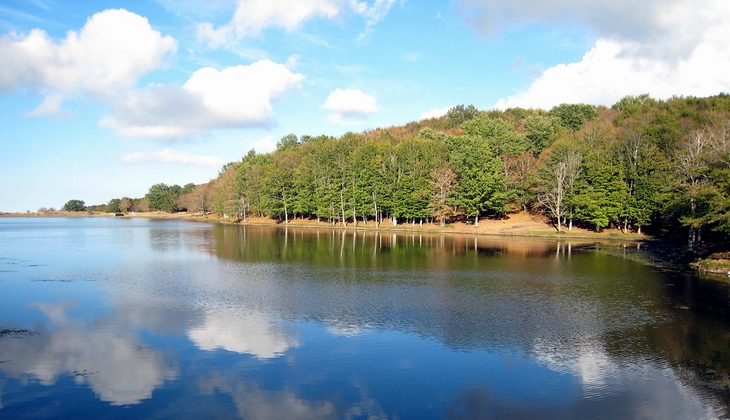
667 29
372 13
664 48
235 97
253 16
265 144
436 112
349 103
173 156
51 105
292 61
604 76
109 54
251 334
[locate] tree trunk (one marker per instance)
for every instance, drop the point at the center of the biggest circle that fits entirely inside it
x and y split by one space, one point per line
286 215
342 205
375 205
476 220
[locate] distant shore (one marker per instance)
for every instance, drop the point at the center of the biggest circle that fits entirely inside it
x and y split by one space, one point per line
517 225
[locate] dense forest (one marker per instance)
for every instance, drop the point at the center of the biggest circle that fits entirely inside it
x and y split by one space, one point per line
640 165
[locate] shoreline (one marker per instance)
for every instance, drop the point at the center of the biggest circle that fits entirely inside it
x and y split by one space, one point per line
515 225
518 225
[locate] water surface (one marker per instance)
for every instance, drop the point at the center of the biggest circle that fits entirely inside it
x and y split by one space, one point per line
146 318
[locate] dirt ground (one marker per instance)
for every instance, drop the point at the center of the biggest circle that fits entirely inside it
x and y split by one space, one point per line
518 224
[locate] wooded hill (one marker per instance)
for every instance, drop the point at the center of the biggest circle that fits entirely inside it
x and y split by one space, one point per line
641 164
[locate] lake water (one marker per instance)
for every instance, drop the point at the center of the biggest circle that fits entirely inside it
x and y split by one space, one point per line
136 318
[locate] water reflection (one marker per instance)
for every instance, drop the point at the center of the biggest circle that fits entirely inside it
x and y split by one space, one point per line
104 355
224 321
254 403
249 334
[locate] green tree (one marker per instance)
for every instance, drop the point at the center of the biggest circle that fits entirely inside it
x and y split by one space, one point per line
480 175
572 116
163 197
632 104
113 205
74 205
460 113
287 142
500 134
540 132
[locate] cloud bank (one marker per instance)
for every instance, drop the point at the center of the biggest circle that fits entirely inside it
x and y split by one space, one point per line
665 48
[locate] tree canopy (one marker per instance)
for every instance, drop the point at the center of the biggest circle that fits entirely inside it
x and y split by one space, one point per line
74 205
641 164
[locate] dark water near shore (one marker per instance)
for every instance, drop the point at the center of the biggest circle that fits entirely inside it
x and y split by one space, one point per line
112 318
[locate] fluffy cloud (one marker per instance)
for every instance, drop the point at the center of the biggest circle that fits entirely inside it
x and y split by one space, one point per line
348 104
677 48
253 16
174 156
604 75
435 113
110 53
237 96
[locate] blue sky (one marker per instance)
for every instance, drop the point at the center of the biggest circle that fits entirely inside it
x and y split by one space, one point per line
101 99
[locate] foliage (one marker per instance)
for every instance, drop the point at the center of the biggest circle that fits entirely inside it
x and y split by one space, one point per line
164 197
573 116
74 205
113 205
642 164
460 114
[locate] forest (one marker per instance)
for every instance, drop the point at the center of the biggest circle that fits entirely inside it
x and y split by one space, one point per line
642 165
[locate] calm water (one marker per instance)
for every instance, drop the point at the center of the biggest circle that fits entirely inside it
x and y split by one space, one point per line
111 318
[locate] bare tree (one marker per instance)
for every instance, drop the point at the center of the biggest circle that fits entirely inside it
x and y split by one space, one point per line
691 165
443 180
553 198
573 160
125 204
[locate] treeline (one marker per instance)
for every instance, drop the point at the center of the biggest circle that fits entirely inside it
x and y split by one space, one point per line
641 164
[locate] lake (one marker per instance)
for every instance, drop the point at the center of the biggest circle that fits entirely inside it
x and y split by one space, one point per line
137 318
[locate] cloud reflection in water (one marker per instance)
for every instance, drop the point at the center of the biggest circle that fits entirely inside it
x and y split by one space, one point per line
251 334
108 357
